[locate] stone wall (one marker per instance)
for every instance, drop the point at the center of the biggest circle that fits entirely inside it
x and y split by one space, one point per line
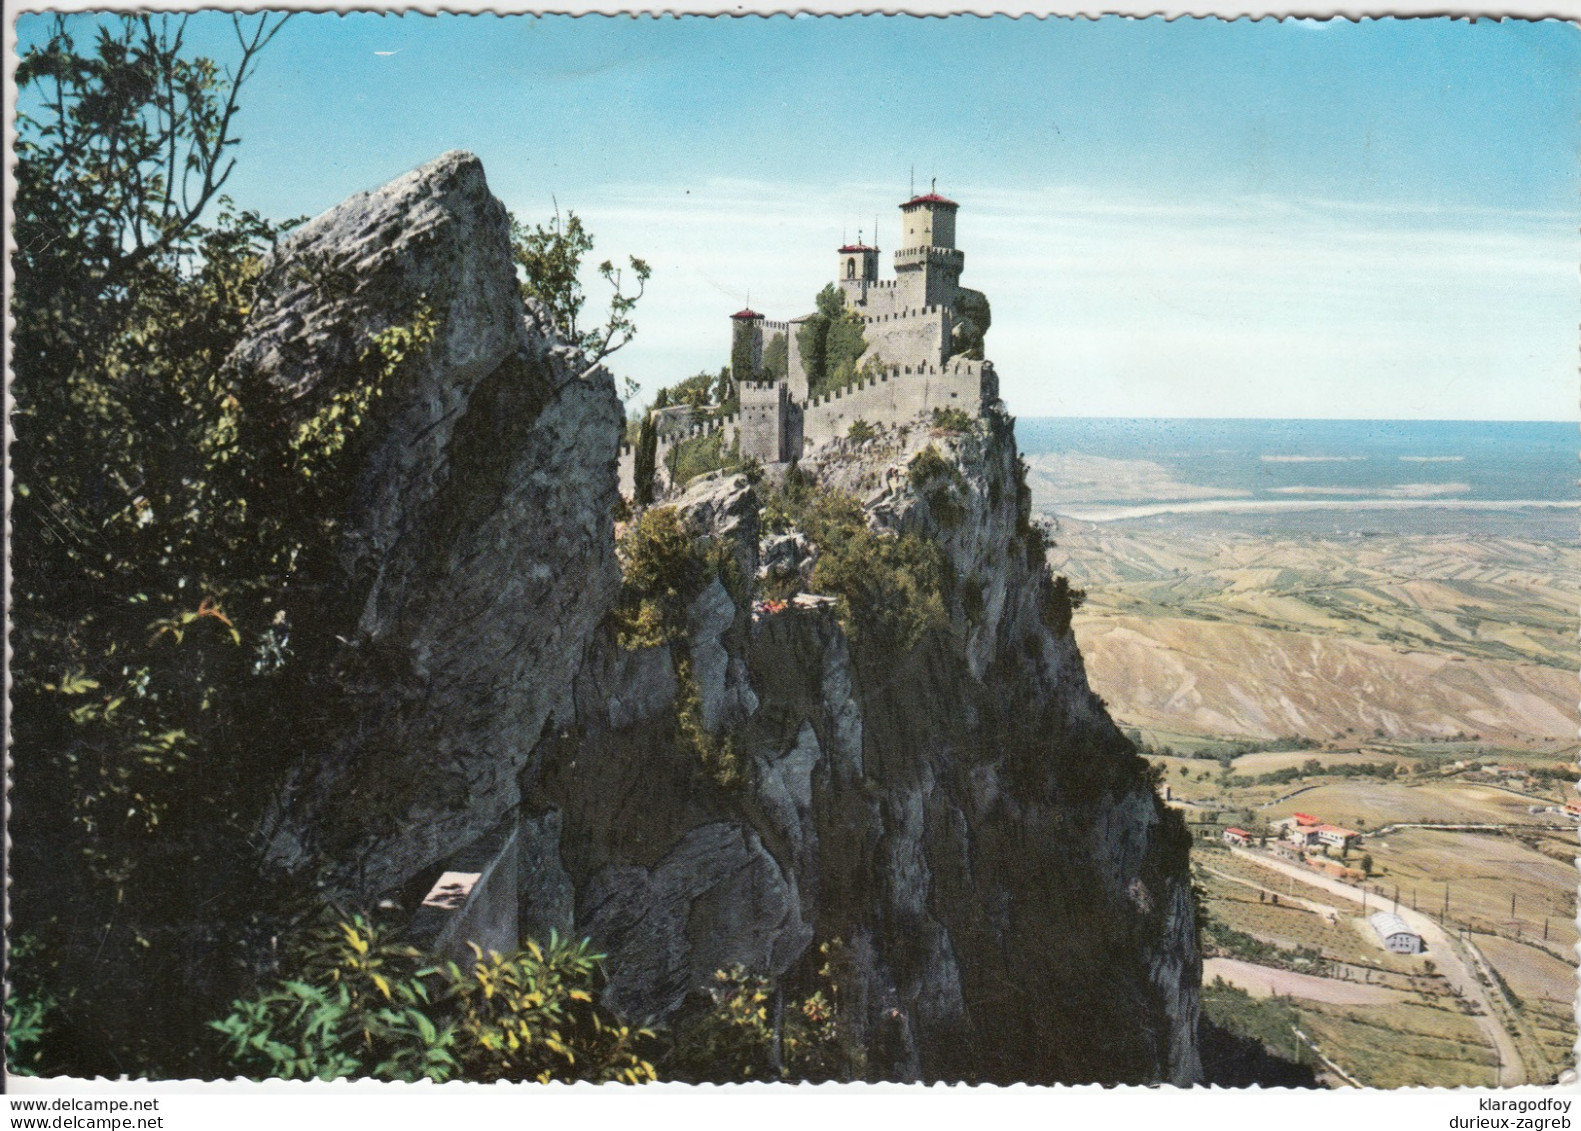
764 407
914 336
899 395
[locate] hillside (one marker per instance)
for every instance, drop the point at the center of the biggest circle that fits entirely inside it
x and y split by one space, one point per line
1399 637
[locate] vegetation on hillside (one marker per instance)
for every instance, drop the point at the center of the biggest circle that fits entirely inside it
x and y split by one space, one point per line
699 455
891 587
173 531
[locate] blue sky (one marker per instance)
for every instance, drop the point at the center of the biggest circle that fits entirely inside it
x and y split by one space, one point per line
1192 218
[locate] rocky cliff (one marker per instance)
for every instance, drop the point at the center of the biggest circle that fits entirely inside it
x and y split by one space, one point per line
1010 900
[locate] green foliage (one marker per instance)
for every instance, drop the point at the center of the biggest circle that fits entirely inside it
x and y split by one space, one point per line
952 420
747 1028
24 1022
700 455
890 586
533 1015
1060 601
742 362
357 1005
1268 1020
830 342
646 461
940 482
124 147
27 1009
158 524
697 391
776 357
663 569
727 393
321 437
716 754
845 344
550 260
861 431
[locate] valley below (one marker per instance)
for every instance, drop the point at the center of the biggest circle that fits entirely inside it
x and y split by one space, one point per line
1414 687
1337 638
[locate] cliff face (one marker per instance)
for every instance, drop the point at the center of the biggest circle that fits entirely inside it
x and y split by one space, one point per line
1010 899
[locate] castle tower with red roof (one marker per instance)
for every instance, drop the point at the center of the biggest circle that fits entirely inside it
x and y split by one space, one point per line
927 263
857 270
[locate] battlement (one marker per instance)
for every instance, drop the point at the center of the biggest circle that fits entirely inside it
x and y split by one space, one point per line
908 312
959 367
909 325
917 256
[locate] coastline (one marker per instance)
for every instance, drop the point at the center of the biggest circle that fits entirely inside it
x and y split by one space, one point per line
1103 512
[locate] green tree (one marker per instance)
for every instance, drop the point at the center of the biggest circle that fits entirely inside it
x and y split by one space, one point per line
741 351
646 460
550 259
150 557
354 1004
776 357
830 342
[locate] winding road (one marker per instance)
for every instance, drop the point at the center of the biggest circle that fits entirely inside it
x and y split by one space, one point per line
1445 955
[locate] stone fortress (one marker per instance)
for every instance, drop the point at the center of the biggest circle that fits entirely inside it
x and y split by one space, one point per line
917 331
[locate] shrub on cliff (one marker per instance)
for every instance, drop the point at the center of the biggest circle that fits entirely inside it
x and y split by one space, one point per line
748 1027
890 586
1060 602
662 570
355 1004
700 455
941 483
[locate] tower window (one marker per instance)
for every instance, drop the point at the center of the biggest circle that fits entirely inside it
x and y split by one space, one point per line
850 268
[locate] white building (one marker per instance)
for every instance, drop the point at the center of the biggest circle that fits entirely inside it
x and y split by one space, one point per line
1394 934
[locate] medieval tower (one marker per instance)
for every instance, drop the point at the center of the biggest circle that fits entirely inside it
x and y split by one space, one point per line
922 341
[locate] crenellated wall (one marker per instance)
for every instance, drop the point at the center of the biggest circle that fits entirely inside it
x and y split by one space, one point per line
910 336
897 395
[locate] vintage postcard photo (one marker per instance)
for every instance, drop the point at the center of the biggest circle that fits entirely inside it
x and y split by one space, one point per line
792 550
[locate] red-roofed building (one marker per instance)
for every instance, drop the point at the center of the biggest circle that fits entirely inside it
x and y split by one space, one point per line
1305 819
1336 837
1234 835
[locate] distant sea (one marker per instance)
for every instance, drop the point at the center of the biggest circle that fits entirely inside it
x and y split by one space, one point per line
1395 476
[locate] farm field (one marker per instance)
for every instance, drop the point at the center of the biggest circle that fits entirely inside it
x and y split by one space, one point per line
1401 1045
1535 977
1369 804
1428 1031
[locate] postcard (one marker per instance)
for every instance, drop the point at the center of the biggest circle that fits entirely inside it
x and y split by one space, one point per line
793 550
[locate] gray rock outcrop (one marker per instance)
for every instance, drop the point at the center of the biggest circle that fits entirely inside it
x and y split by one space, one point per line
961 818
475 550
